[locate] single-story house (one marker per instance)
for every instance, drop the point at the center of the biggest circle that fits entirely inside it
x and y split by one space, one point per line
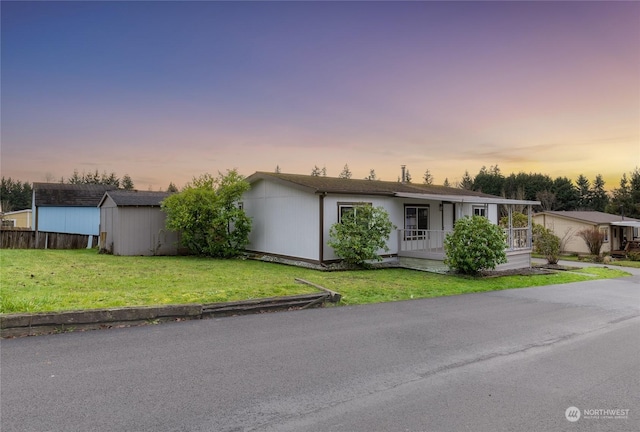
292 215
67 208
567 224
132 223
17 219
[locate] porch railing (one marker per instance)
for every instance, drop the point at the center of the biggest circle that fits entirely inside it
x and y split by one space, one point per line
430 243
518 238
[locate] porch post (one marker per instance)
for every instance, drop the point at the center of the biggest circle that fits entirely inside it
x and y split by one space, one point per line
510 229
529 227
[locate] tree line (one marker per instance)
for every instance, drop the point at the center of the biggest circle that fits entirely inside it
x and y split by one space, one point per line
560 193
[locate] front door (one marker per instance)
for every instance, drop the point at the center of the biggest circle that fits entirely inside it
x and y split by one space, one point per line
447 216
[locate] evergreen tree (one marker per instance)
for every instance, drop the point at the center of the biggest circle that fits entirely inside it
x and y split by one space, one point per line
316 171
446 182
597 195
626 198
15 195
566 193
372 175
127 183
427 178
172 188
584 196
346 173
489 181
466 182
323 171
277 171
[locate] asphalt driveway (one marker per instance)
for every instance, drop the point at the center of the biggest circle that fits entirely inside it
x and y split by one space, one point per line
509 360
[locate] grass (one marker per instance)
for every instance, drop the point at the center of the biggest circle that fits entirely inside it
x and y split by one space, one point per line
54 280
615 262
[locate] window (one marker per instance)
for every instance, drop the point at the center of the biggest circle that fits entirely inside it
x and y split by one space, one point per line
344 208
416 220
605 234
8 223
479 211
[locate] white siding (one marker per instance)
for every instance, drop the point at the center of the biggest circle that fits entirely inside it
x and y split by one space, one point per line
464 209
285 220
516 260
393 206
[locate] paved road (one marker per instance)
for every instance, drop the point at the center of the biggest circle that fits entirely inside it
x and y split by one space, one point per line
513 360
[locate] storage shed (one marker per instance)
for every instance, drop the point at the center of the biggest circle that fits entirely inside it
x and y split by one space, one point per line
132 223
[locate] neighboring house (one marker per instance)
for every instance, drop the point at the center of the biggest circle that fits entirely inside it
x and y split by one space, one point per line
567 225
67 208
132 223
17 219
292 215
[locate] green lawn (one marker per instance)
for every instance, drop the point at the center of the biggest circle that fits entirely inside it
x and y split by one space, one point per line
54 280
615 262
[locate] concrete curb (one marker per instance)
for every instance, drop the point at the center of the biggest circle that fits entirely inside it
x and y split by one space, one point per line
18 325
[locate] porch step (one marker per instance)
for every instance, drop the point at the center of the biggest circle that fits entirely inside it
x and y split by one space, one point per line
420 264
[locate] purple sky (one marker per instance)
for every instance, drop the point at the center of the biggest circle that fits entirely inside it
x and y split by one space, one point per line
166 91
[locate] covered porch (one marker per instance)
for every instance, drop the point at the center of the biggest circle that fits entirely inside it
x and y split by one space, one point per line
428 244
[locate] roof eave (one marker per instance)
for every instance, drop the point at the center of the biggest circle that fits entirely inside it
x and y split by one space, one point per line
467 199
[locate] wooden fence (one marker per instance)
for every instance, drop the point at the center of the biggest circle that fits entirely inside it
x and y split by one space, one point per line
21 239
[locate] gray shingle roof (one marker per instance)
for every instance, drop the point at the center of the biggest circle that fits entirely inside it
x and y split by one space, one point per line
124 198
319 184
68 195
594 217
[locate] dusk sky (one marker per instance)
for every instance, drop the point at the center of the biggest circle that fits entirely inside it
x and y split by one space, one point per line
165 91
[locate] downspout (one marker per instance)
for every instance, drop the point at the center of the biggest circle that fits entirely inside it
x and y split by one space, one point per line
321 228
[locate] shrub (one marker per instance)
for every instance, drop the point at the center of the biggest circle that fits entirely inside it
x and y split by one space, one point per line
474 245
360 234
207 215
633 256
594 238
518 220
546 243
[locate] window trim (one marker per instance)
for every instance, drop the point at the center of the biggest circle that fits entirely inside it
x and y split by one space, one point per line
413 231
13 223
476 210
350 204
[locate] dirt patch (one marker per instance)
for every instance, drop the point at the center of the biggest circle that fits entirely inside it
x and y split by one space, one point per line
532 271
